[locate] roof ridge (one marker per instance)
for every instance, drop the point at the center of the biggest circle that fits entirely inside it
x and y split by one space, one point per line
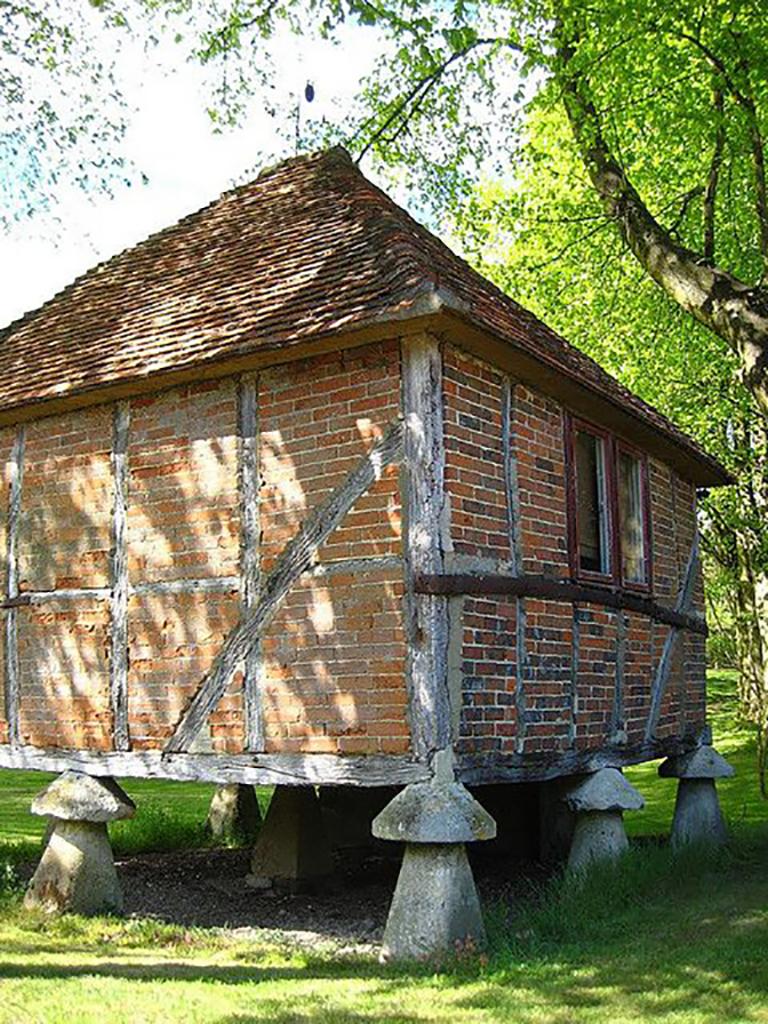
336 153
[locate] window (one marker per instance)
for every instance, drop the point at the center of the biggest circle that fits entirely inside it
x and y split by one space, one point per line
592 531
608 508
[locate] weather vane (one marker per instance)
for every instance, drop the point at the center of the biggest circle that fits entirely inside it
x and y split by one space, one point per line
309 95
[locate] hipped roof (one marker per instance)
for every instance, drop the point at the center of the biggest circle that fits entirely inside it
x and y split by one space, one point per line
308 252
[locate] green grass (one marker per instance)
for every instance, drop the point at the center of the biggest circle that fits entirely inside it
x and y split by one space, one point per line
169 815
739 797
663 940
659 939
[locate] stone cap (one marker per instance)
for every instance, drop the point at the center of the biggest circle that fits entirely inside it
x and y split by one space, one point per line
702 763
604 790
434 812
75 796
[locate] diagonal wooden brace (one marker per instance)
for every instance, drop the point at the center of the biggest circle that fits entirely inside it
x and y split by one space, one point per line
684 599
295 559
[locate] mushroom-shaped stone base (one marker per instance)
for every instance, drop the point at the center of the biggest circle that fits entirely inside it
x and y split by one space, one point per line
599 801
76 872
598 836
292 851
697 817
234 813
435 908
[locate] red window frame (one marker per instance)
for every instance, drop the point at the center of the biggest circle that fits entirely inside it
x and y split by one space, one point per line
611 448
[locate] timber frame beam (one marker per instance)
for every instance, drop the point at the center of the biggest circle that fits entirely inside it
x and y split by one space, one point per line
557 590
336 769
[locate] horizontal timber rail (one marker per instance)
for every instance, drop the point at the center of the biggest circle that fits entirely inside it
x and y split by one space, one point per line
458 584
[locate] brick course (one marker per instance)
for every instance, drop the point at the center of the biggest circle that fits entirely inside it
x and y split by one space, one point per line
67 497
183 509
64 675
474 456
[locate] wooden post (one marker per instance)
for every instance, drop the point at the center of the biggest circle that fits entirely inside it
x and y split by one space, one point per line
118 681
516 552
249 551
12 587
426 615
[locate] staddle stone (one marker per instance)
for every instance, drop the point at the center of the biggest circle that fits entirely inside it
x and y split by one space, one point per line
292 850
435 908
604 790
434 812
76 872
702 763
599 801
697 817
598 836
234 813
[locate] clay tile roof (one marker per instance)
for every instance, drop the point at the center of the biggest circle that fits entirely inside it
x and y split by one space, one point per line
308 249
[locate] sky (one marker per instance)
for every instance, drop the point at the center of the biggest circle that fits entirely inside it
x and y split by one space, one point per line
170 139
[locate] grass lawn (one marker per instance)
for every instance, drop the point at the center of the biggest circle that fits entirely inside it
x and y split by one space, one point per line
740 796
673 940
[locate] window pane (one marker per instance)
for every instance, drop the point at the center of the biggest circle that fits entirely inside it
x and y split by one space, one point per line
590 503
631 519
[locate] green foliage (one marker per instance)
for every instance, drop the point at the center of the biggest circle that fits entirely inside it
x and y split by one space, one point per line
62 114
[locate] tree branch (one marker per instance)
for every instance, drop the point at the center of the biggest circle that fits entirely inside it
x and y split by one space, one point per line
747 103
732 309
710 193
420 89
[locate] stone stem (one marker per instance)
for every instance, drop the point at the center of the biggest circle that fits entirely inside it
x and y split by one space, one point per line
435 908
76 872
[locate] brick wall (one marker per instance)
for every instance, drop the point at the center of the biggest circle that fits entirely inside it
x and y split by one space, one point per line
317 418
540 456
183 510
474 456
6 444
559 711
334 664
488 668
172 640
183 523
64 532
334 656
333 660
64 675
64 542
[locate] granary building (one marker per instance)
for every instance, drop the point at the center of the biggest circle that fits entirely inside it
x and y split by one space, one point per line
294 496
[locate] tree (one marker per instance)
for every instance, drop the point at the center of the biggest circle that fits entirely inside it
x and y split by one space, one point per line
562 262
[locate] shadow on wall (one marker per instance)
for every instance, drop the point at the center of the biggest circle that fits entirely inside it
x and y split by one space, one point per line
333 663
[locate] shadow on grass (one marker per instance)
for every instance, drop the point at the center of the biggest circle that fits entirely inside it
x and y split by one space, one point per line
716 980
